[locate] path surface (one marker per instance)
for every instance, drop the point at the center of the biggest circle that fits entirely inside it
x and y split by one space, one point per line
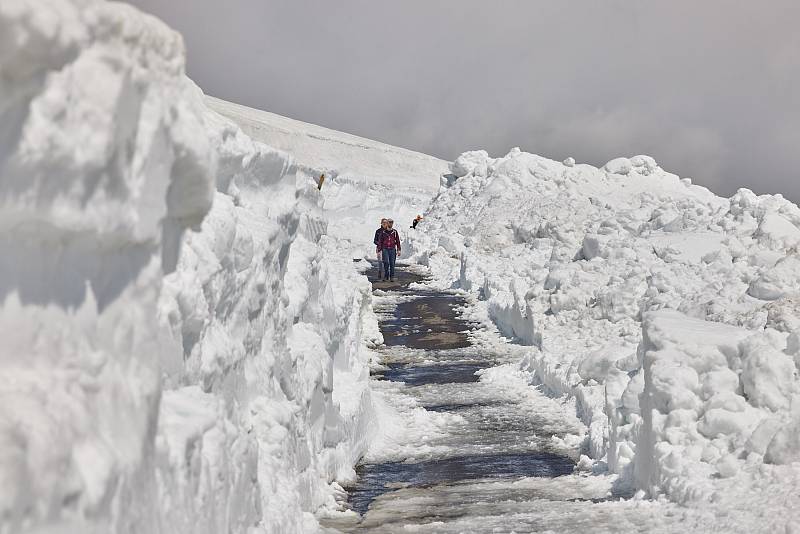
503 456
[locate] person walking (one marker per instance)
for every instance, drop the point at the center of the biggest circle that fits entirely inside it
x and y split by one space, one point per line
378 251
389 241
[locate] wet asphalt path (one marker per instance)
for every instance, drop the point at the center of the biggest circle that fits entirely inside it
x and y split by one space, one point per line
497 438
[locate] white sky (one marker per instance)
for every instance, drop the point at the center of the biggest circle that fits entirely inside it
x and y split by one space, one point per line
710 89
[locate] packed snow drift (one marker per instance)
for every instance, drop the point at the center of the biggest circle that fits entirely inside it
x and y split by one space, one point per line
670 315
184 346
365 180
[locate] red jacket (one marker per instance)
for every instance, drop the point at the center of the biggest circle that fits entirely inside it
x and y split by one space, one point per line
389 239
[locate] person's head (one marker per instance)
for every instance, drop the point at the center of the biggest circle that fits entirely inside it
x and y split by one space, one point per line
389 223
383 222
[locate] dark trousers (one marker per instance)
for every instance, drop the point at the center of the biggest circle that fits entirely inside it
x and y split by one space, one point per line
389 256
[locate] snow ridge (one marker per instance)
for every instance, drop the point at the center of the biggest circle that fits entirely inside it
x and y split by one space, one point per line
669 314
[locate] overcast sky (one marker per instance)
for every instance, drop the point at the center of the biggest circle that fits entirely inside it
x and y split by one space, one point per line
710 89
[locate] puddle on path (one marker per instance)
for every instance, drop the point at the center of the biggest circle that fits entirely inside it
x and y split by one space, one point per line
429 322
456 406
431 374
375 480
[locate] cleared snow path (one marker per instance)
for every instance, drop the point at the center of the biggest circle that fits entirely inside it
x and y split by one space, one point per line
479 450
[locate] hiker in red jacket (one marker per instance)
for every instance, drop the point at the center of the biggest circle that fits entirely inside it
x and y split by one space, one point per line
389 244
377 242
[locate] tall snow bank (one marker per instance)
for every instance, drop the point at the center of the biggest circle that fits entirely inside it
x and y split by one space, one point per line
159 380
718 423
265 318
103 163
570 259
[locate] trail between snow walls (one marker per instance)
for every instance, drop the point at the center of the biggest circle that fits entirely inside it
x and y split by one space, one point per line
483 451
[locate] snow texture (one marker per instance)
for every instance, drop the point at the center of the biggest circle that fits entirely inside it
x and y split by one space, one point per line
186 342
669 315
184 348
365 180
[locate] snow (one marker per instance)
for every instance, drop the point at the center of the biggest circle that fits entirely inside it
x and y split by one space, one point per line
778 281
187 341
619 166
365 180
185 348
475 162
668 314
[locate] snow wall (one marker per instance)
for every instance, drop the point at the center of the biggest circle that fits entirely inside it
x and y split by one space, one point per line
670 315
184 349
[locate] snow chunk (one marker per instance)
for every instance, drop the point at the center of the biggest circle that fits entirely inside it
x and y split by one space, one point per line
762 436
768 373
782 280
777 231
619 166
784 448
475 162
728 466
645 165
597 365
718 422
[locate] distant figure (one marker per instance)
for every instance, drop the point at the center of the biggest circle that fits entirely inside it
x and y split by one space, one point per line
416 221
389 244
321 181
377 242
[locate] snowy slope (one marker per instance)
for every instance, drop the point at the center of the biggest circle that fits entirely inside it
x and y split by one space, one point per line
184 348
669 314
365 180
325 149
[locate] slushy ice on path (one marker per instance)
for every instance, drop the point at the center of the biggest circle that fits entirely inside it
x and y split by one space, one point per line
482 450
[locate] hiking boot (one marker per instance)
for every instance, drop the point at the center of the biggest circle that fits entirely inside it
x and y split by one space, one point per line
391 278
